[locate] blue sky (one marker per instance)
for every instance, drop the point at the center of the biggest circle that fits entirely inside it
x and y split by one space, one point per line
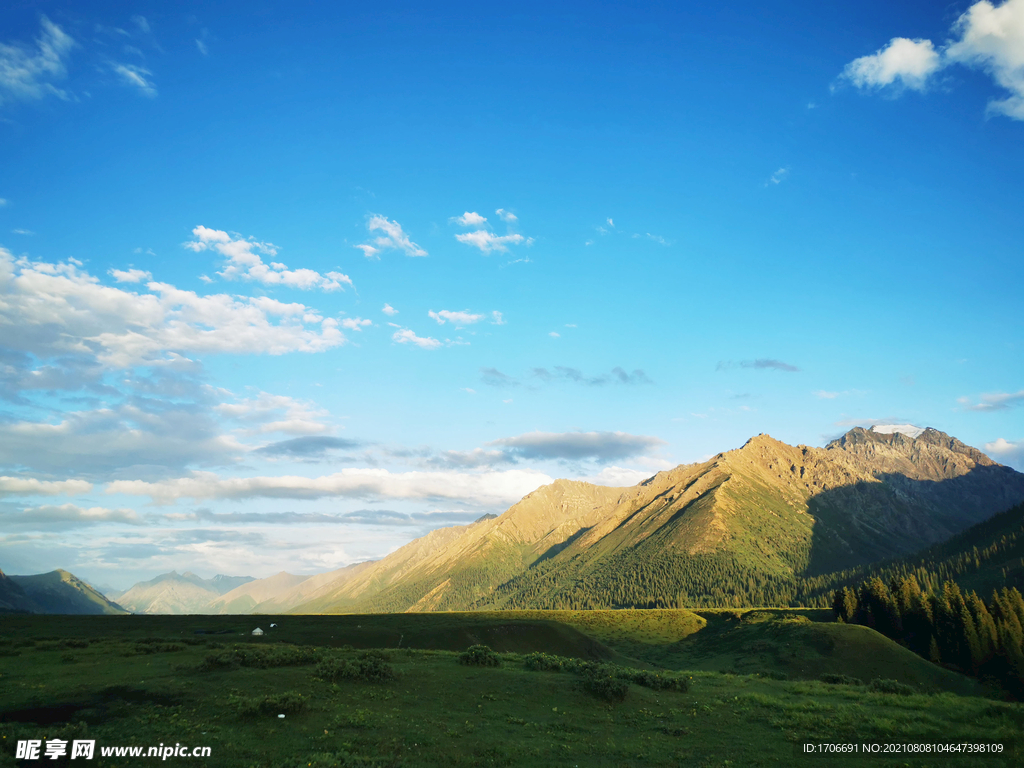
285 286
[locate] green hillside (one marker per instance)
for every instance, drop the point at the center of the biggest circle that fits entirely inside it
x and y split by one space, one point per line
62 592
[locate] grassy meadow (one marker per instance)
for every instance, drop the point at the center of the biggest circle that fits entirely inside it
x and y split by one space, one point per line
567 688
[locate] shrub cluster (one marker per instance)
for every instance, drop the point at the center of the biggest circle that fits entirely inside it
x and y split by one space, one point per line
479 656
592 672
287 702
604 684
260 657
370 667
878 685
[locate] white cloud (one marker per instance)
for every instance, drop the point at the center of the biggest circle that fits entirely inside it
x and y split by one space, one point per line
245 263
911 62
29 486
488 242
355 323
657 238
777 177
618 477
393 238
987 37
554 334
27 74
202 47
469 219
405 336
458 318
498 319
992 39
478 489
506 216
130 276
267 412
67 516
469 390
1005 451
22 231
137 77
389 310
610 222
58 309
995 401
825 395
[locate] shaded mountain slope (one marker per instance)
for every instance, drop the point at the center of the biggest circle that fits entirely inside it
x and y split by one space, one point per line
13 598
62 592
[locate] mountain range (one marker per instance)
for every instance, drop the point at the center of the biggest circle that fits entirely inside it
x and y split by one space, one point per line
757 525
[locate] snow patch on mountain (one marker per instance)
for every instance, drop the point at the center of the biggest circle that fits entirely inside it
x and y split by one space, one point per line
907 429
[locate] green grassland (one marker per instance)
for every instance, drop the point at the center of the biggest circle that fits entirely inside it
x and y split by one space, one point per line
719 697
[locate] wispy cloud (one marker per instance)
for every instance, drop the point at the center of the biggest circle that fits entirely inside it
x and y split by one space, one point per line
64 516
507 216
406 336
137 77
28 73
478 489
22 232
495 378
389 310
130 275
575 446
393 238
245 263
457 318
618 375
763 363
996 401
778 176
488 242
307 447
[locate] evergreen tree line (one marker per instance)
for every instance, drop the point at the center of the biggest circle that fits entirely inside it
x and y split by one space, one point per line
949 627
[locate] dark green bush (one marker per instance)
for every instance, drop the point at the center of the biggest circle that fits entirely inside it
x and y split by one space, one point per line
657 681
841 680
603 684
878 685
771 674
371 667
547 662
73 643
256 657
287 702
479 656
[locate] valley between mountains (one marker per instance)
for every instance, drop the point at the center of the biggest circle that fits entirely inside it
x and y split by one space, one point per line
765 524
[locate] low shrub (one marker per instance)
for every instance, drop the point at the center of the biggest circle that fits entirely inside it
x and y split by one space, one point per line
256 657
73 643
284 703
771 674
657 681
841 680
370 667
603 684
479 656
878 685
